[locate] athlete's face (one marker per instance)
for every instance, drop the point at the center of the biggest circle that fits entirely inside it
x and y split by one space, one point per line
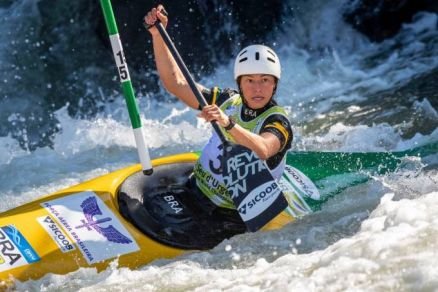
257 89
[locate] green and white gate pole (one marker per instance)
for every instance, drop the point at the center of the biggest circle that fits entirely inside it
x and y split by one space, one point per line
128 91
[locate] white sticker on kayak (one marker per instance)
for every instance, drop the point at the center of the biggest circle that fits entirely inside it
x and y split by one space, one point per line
55 231
15 250
97 232
302 184
297 205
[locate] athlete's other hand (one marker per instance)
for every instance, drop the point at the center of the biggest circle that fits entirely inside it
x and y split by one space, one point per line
151 18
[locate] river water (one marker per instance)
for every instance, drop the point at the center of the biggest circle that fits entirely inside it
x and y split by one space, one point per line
342 93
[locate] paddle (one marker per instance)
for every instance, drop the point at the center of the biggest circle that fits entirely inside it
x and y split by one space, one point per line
128 91
252 188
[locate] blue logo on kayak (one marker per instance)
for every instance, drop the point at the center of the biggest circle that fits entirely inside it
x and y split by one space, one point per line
91 208
21 243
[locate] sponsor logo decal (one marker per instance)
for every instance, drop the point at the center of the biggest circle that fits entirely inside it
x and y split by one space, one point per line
257 200
91 209
238 168
297 205
301 183
57 234
15 250
94 228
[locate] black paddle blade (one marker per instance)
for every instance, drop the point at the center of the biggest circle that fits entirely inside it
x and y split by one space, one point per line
254 191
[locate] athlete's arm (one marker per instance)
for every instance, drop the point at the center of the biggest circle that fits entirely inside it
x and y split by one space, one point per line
168 70
264 145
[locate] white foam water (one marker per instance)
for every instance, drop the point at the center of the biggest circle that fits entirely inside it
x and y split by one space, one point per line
378 236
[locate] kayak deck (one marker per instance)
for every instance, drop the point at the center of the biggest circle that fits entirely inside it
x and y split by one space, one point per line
167 207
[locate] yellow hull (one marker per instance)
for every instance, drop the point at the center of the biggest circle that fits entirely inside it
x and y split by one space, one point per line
54 235
52 259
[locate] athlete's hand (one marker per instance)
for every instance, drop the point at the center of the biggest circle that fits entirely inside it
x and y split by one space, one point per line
152 16
214 113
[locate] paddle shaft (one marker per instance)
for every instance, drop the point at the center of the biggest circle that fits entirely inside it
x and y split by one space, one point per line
127 88
182 66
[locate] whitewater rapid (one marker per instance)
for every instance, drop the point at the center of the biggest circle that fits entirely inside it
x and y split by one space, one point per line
380 236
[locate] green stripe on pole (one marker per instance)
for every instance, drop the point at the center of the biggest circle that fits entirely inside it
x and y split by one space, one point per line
133 110
109 16
128 91
119 56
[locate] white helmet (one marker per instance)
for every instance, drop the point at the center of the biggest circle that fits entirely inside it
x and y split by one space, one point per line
257 59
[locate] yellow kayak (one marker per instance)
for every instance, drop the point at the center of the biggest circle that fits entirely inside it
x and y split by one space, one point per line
124 216
135 219
77 227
